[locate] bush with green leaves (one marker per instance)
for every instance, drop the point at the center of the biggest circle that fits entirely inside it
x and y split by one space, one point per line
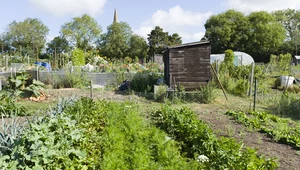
280 64
287 105
18 86
78 57
71 79
144 81
241 87
76 79
9 108
10 131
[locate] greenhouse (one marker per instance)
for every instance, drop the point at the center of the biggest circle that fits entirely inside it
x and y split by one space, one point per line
241 58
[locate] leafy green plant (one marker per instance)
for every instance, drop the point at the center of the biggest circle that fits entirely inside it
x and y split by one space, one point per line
241 87
16 87
9 108
275 127
36 89
197 138
18 82
10 132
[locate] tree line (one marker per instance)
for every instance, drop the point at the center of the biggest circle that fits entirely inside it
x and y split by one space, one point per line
259 34
83 33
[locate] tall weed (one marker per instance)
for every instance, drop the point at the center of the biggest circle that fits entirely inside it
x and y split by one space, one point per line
287 105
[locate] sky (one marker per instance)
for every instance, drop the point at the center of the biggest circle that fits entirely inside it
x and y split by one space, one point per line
185 17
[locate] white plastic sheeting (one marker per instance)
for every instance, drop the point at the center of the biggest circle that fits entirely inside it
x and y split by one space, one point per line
241 58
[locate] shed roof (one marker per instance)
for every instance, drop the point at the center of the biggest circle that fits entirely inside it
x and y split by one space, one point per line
189 44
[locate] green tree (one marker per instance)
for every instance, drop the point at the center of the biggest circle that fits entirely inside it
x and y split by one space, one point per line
290 19
258 34
78 58
56 47
138 47
28 35
81 32
115 43
175 39
160 40
3 45
228 30
266 36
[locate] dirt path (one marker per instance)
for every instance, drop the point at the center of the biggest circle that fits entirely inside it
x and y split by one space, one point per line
224 126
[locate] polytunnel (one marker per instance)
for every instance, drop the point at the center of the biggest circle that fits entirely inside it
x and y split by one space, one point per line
241 58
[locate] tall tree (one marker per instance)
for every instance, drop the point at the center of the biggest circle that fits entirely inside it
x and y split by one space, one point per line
228 30
290 19
29 34
138 47
56 47
81 32
175 39
3 45
157 40
258 34
266 36
115 43
160 40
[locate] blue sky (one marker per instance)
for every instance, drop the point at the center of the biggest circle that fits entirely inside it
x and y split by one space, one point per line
186 17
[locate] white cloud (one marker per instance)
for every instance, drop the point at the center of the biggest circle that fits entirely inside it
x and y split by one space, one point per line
187 24
248 6
192 36
69 7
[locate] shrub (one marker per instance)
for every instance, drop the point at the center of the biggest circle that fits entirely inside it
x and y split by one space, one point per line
207 93
287 105
240 88
160 94
144 81
76 79
78 58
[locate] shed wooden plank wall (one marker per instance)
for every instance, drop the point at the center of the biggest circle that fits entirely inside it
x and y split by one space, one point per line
189 65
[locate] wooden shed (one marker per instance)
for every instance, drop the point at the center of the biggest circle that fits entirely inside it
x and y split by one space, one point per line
187 65
296 60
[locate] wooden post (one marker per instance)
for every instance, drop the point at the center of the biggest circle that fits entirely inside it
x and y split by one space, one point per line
255 94
6 62
37 72
219 81
54 57
91 85
217 68
286 84
251 79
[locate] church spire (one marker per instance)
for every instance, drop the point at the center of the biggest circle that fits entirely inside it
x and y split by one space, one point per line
115 16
